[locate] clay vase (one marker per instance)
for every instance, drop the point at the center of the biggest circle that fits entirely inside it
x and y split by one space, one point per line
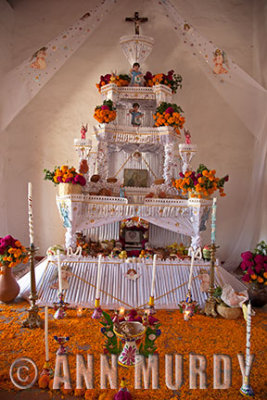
9 287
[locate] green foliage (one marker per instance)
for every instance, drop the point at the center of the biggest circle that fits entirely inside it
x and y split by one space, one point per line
111 343
148 347
163 107
261 248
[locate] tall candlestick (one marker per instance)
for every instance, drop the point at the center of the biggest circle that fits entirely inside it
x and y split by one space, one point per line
59 272
97 295
30 213
153 275
248 339
213 220
46 335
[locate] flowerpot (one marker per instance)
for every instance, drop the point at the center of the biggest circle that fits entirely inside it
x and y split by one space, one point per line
9 287
229 312
258 296
69 188
129 332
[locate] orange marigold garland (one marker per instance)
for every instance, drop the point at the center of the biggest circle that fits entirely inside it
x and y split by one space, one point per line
201 183
119 80
105 113
64 174
168 114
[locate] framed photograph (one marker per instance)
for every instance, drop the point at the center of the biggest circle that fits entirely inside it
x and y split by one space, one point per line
132 236
136 177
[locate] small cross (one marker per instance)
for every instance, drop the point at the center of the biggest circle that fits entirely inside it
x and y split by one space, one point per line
136 21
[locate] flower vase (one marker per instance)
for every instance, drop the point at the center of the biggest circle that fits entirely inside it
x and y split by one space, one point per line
129 354
9 287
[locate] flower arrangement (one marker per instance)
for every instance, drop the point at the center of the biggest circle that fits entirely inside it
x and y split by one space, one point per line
105 113
172 80
12 252
254 265
119 80
64 174
200 183
168 114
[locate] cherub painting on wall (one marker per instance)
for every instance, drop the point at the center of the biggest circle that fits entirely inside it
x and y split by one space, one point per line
39 56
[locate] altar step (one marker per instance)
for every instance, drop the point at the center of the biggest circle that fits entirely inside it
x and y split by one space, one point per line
117 290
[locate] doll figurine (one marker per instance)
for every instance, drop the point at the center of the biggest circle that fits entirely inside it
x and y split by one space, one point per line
187 136
136 75
83 131
136 115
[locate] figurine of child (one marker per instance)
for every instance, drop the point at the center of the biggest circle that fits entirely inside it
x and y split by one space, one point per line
40 62
187 136
136 115
136 75
83 131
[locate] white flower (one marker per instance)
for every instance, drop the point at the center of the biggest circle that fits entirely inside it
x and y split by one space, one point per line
110 334
152 337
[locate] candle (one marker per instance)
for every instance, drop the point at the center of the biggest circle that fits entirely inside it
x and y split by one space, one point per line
30 212
153 275
186 315
79 312
248 339
213 220
121 312
59 272
46 335
191 269
97 296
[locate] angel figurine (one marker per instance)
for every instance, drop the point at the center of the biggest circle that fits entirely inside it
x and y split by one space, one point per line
187 136
84 129
219 60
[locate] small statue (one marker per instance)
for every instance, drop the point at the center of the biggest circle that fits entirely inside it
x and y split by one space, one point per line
136 75
123 393
84 129
136 115
187 136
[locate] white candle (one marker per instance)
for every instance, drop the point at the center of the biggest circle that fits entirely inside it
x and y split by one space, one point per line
153 275
30 212
46 335
213 221
97 295
191 269
59 272
248 339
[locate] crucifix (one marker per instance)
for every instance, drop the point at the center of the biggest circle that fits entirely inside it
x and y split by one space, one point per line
136 21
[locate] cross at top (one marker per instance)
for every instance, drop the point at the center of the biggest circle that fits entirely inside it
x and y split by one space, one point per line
136 21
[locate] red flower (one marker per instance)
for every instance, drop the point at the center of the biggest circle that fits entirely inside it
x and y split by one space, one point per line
246 256
246 278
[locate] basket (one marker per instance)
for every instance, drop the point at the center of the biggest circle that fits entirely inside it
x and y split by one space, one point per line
69 188
229 312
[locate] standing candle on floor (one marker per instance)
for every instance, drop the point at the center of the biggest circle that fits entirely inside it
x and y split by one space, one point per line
97 295
30 212
213 220
59 272
246 390
153 275
46 335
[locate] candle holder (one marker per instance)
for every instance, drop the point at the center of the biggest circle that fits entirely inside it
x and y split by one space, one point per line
151 304
246 390
60 307
61 340
188 306
34 320
47 370
129 332
210 305
97 314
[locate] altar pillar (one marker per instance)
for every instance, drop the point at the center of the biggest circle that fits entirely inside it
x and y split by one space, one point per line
102 160
168 160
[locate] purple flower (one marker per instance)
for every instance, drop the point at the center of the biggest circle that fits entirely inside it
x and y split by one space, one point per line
80 180
259 259
60 179
104 107
169 110
258 268
249 264
2 250
246 278
226 178
265 267
8 241
246 256
181 175
243 266
250 271
199 175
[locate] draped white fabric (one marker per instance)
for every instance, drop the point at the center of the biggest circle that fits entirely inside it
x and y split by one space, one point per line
248 99
104 232
23 83
117 290
160 237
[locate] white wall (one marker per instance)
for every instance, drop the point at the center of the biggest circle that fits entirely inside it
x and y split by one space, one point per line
41 136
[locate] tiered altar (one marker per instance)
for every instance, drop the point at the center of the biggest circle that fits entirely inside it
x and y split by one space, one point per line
130 179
